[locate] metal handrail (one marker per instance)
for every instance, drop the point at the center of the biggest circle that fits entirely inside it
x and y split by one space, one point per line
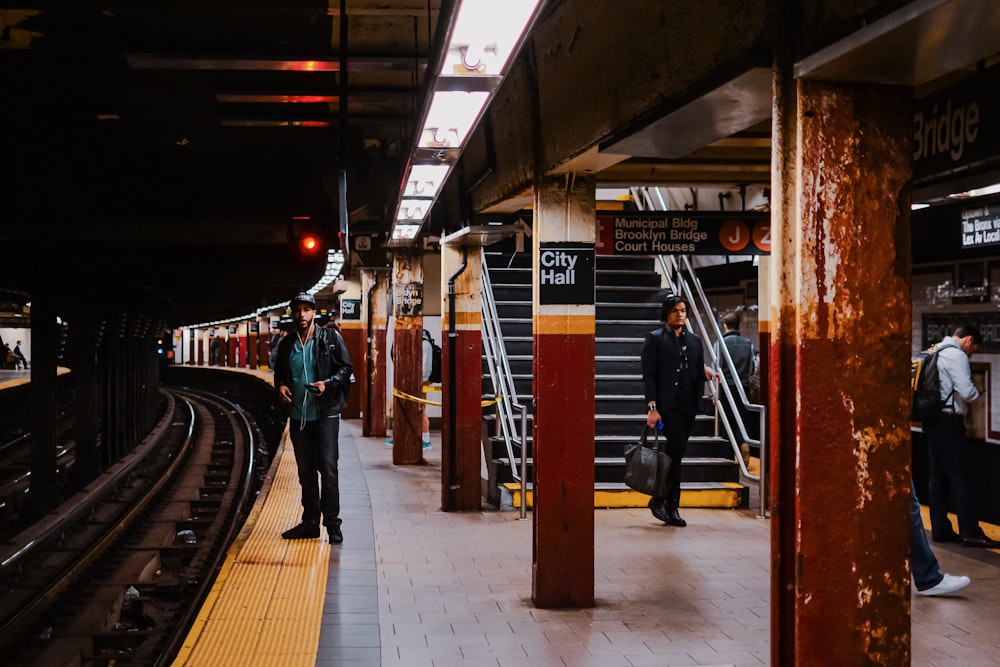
495 351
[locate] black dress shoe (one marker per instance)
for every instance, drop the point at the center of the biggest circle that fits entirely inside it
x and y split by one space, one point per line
655 506
947 537
674 518
980 542
302 531
336 537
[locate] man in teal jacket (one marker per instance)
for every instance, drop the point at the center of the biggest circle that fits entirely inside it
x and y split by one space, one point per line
312 372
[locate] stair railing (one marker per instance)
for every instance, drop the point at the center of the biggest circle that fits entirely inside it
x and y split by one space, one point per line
506 404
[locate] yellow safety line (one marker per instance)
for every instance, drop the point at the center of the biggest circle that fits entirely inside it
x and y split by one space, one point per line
246 619
408 397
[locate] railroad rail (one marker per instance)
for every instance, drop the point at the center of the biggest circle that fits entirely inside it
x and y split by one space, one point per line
115 574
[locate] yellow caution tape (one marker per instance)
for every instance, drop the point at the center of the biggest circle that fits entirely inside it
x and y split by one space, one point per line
407 397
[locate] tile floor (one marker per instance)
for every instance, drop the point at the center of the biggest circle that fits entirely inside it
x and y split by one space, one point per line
413 586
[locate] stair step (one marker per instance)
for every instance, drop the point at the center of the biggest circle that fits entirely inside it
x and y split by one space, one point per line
712 495
619 461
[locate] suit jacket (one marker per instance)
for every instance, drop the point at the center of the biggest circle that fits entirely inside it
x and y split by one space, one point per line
663 363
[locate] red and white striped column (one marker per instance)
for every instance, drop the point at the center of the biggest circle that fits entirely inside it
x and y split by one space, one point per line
461 378
565 232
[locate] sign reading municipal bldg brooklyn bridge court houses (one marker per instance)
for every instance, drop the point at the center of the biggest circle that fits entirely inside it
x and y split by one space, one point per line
684 233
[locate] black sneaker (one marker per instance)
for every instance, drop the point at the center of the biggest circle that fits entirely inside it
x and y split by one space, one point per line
945 537
336 537
301 532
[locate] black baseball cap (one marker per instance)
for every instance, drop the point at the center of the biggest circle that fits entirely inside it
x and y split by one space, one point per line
303 297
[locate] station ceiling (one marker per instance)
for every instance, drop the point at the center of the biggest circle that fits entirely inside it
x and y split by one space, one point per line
167 152
165 155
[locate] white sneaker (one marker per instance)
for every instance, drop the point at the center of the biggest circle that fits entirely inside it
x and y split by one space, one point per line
948 585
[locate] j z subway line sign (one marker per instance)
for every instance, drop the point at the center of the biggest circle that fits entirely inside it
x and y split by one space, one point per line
684 233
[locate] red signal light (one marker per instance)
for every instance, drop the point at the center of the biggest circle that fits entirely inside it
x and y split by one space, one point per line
310 243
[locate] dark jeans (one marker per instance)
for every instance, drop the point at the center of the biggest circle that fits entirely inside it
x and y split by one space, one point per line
950 464
317 449
923 564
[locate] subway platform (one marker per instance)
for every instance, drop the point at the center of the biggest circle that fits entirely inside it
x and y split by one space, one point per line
417 587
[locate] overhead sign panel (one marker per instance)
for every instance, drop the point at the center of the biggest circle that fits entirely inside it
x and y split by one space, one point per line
684 233
981 226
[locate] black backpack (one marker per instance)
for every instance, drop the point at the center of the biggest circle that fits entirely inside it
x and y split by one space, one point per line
435 358
925 381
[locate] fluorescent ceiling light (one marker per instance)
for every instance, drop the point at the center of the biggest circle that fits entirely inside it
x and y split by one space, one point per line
450 118
917 207
977 192
424 180
484 35
413 209
404 231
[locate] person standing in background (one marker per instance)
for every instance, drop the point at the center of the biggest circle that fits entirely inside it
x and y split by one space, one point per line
948 448
742 353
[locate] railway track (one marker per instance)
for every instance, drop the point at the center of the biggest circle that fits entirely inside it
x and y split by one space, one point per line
115 574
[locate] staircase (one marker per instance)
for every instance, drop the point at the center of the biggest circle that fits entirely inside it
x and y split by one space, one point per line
627 308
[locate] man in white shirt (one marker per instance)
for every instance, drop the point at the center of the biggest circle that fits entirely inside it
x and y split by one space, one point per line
948 447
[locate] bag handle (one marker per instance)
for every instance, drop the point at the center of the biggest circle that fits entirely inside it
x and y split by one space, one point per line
645 432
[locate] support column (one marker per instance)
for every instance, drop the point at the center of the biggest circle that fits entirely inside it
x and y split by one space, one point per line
764 327
461 373
43 492
370 368
407 357
233 347
840 348
563 369
354 334
253 345
86 337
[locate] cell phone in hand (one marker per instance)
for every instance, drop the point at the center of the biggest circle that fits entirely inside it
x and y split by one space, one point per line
313 388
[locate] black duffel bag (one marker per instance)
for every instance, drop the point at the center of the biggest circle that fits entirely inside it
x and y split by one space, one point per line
646 467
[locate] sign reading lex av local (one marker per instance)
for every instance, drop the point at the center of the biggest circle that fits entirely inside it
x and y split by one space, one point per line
981 226
684 233
566 273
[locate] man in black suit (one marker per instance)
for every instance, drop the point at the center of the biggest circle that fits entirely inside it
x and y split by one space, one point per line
674 374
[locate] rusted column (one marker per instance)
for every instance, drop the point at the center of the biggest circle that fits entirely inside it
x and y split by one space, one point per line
370 368
353 332
461 379
764 326
839 367
563 368
407 357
